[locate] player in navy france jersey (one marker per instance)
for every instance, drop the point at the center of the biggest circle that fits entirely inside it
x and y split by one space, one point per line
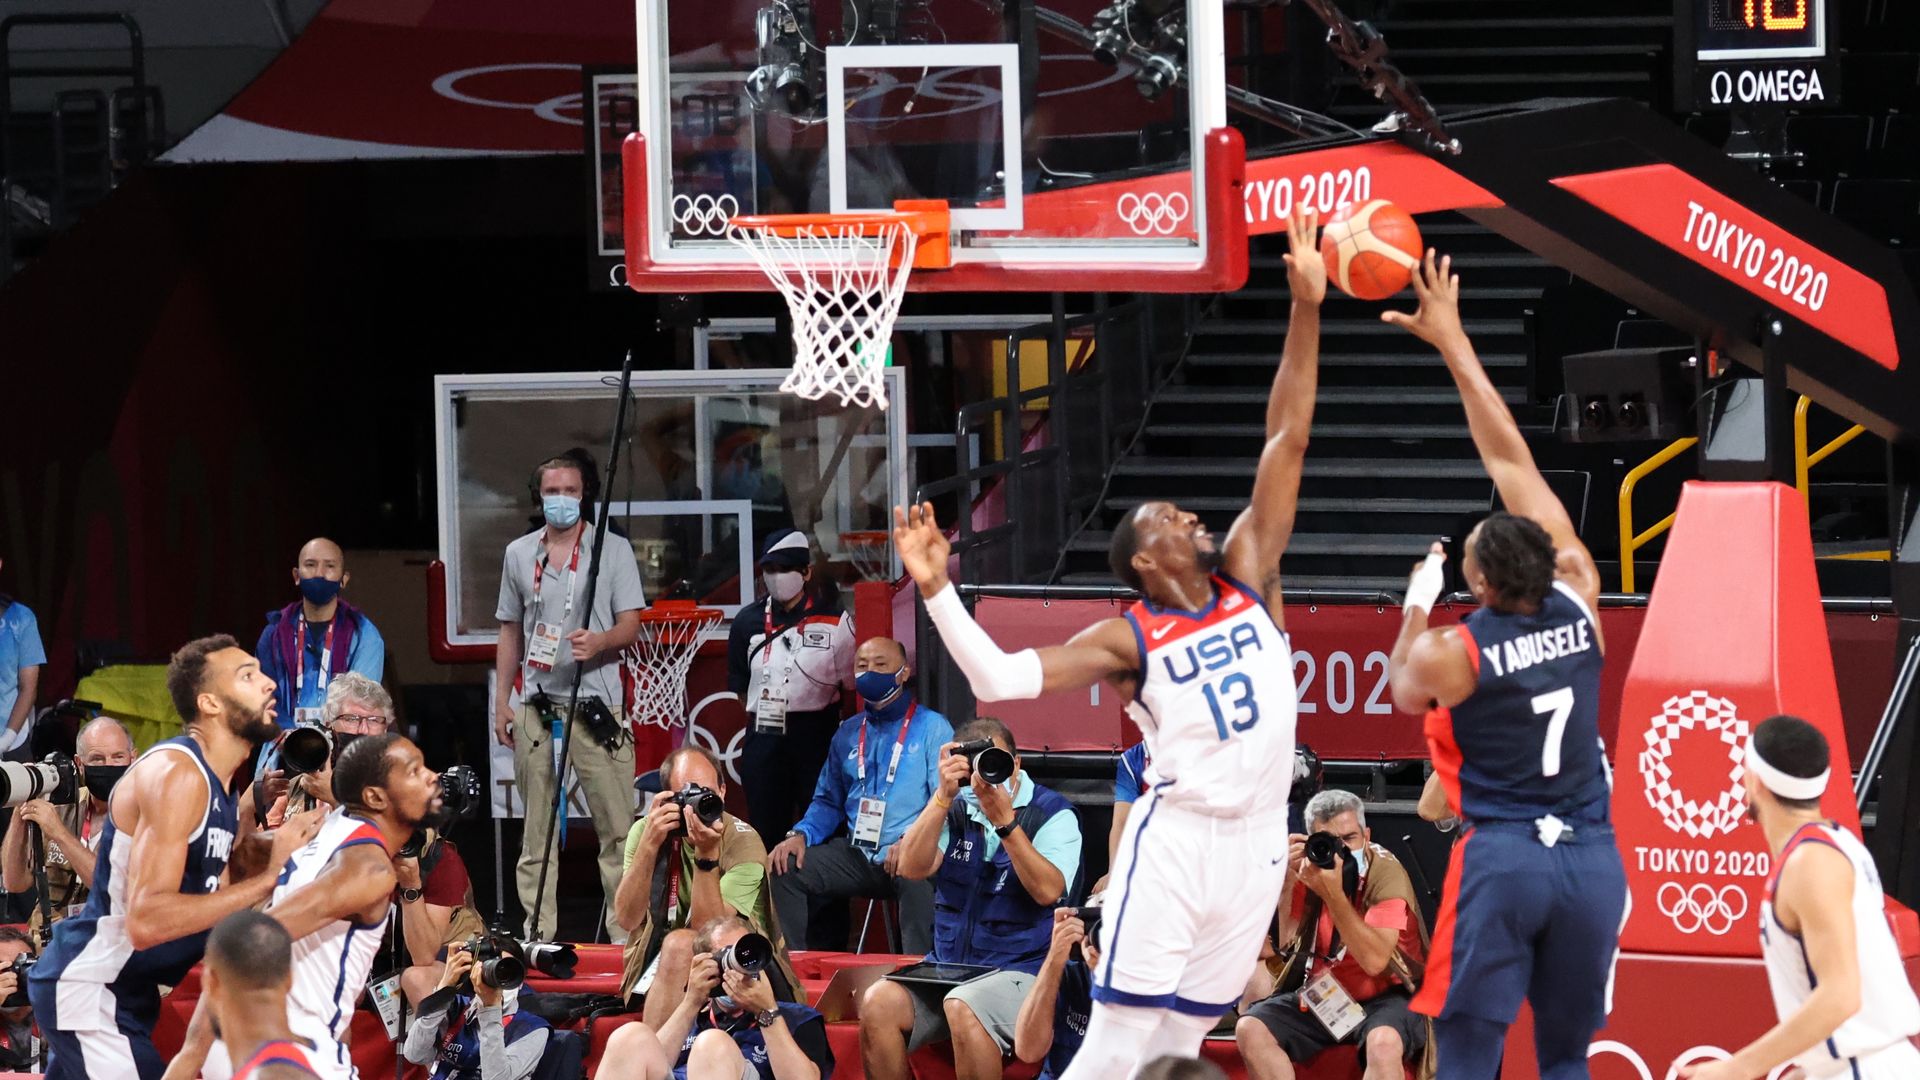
1536 888
162 879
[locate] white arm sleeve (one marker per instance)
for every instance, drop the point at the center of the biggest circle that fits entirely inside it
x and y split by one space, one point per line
1423 589
994 675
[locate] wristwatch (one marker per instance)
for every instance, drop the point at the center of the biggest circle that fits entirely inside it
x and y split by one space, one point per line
706 864
766 1019
410 896
1002 831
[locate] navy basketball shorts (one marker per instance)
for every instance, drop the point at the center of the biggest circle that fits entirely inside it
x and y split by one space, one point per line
1523 921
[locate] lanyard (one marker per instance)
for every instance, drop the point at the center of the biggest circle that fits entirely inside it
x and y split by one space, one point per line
767 634
326 656
673 881
899 744
573 572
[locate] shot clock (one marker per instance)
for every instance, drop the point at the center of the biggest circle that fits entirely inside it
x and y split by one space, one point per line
1753 55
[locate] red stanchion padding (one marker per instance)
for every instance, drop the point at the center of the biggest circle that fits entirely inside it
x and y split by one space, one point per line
1734 634
872 610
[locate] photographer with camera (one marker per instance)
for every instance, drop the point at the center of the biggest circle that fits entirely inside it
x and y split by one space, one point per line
18 1047
546 633
355 706
1356 948
471 1027
728 1026
69 831
1002 851
1053 1019
881 772
690 862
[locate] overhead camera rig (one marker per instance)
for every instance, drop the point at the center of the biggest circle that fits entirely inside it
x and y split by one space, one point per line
791 76
1362 48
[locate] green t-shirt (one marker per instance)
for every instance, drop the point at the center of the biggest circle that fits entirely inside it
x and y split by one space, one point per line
740 885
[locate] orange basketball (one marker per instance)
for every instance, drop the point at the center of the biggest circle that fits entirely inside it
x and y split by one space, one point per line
1371 249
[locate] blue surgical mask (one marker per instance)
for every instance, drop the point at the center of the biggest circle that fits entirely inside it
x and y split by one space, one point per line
562 511
877 687
319 590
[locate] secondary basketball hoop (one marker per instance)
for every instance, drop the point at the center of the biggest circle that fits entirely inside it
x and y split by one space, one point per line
870 552
843 276
658 662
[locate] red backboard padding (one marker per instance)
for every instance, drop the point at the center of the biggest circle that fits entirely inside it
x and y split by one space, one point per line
1734 634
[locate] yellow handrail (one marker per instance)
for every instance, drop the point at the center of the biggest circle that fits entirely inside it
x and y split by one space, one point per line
1629 541
1803 461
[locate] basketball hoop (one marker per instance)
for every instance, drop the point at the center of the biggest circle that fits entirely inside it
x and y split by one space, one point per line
659 661
870 554
843 276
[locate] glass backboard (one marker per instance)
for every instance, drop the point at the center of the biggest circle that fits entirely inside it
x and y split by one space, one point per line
712 463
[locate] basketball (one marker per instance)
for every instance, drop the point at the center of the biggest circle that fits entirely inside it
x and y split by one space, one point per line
1371 249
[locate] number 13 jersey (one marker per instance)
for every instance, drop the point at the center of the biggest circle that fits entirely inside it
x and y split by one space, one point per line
1526 742
1216 702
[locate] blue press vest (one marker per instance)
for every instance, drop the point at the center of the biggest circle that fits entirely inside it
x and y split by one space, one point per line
982 914
460 1056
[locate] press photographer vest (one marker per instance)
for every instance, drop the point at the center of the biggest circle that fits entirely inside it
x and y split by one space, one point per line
982 914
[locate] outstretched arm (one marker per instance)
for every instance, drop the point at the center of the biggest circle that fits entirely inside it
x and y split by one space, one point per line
1259 536
1495 434
1106 648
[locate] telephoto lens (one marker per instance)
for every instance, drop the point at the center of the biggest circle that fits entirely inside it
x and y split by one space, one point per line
305 749
53 780
493 965
993 764
747 956
1323 850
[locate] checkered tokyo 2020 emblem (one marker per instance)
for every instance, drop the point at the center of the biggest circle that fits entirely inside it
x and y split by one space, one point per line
1696 715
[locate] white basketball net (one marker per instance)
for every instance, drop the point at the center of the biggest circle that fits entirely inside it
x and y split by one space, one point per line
843 286
658 663
870 553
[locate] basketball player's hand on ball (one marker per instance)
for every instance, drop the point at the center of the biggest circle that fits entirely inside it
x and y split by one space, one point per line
1438 321
922 546
1306 269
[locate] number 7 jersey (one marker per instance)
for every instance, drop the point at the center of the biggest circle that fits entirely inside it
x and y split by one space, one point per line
1216 702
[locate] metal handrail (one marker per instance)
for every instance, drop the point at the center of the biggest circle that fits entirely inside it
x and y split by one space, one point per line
1630 541
1803 461
1903 683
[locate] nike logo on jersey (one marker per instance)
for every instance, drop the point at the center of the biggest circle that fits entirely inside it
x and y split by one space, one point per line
1538 647
1161 632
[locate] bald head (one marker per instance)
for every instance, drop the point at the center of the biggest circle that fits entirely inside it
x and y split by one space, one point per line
104 741
881 654
323 552
320 559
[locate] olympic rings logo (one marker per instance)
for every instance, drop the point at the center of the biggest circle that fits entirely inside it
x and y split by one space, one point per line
1702 907
1152 213
730 755
704 215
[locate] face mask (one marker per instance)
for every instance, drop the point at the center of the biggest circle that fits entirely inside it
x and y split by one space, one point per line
784 586
1359 860
101 778
341 739
878 688
319 590
562 511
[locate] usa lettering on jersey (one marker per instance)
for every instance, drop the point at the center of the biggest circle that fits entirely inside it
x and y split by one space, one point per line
1523 652
1211 653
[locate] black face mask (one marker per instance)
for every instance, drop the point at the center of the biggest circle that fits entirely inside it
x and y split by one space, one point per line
101 778
340 741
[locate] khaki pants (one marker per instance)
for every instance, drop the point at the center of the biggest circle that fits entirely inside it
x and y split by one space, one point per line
606 779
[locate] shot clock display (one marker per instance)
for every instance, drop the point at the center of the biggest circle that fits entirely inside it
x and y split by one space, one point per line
1759 29
1753 54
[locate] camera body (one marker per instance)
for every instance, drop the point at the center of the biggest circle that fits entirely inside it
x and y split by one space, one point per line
994 764
702 802
749 956
21 965
494 965
459 800
1324 850
52 778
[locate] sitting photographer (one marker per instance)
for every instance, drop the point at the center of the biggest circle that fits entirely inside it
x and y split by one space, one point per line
69 832
1001 851
1355 938
728 1025
471 1029
18 1047
1053 1019
689 862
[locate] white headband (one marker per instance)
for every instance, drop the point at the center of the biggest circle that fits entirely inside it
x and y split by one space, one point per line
1787 787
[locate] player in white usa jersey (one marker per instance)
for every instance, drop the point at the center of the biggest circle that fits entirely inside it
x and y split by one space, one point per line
1201 860
1845 1006
334 896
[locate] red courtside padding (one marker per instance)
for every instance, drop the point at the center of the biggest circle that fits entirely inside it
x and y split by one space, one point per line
1734 634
